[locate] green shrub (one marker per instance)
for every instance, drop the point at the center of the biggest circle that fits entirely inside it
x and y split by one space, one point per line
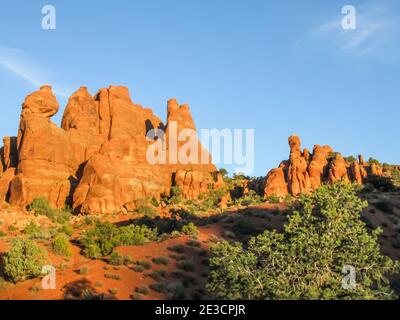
88 221
135 235
127 260
136 296
90 294
176 195
373 161
177 291
288 199
83 271
251 198
211 199
115 259
145 264
138 269
223 172
186 265
113 291
67 229
193 243
104 237
190 229
179 248
2 233
273 198
158 287
92 251
34 231
245 227
111 276
157 275
386 205
41 206
306 260
350 159
24 261
142 290
384 184
12 228
154 202
161 261
61 245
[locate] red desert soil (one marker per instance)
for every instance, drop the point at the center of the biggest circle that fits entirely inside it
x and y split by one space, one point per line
71 284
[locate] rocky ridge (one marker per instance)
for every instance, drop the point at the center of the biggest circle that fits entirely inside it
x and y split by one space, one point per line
305 171
96 162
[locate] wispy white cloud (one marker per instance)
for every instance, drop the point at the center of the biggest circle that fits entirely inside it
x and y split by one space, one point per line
376 33
18 63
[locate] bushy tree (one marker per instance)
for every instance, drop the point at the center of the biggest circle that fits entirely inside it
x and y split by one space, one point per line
24 261
61 245
306 260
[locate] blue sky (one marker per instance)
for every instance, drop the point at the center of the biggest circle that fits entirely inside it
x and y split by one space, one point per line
279 67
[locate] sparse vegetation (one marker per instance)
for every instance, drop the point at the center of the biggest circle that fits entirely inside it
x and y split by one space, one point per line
351 159
12 228
176 291
104 237
176 196
157 275
273 198
179 248
127 260
41 206
115 259
251 198
186 265
61 245
138 269
385 204
145 264
245 227
194 243
373 161
161 261
113 291
190 229
158 287
83 271
384 184
142 290
112 276
67 229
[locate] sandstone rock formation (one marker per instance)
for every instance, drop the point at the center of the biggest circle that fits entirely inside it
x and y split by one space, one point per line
305 171
97 161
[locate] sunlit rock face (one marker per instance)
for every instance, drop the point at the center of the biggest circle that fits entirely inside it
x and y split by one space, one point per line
97 161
